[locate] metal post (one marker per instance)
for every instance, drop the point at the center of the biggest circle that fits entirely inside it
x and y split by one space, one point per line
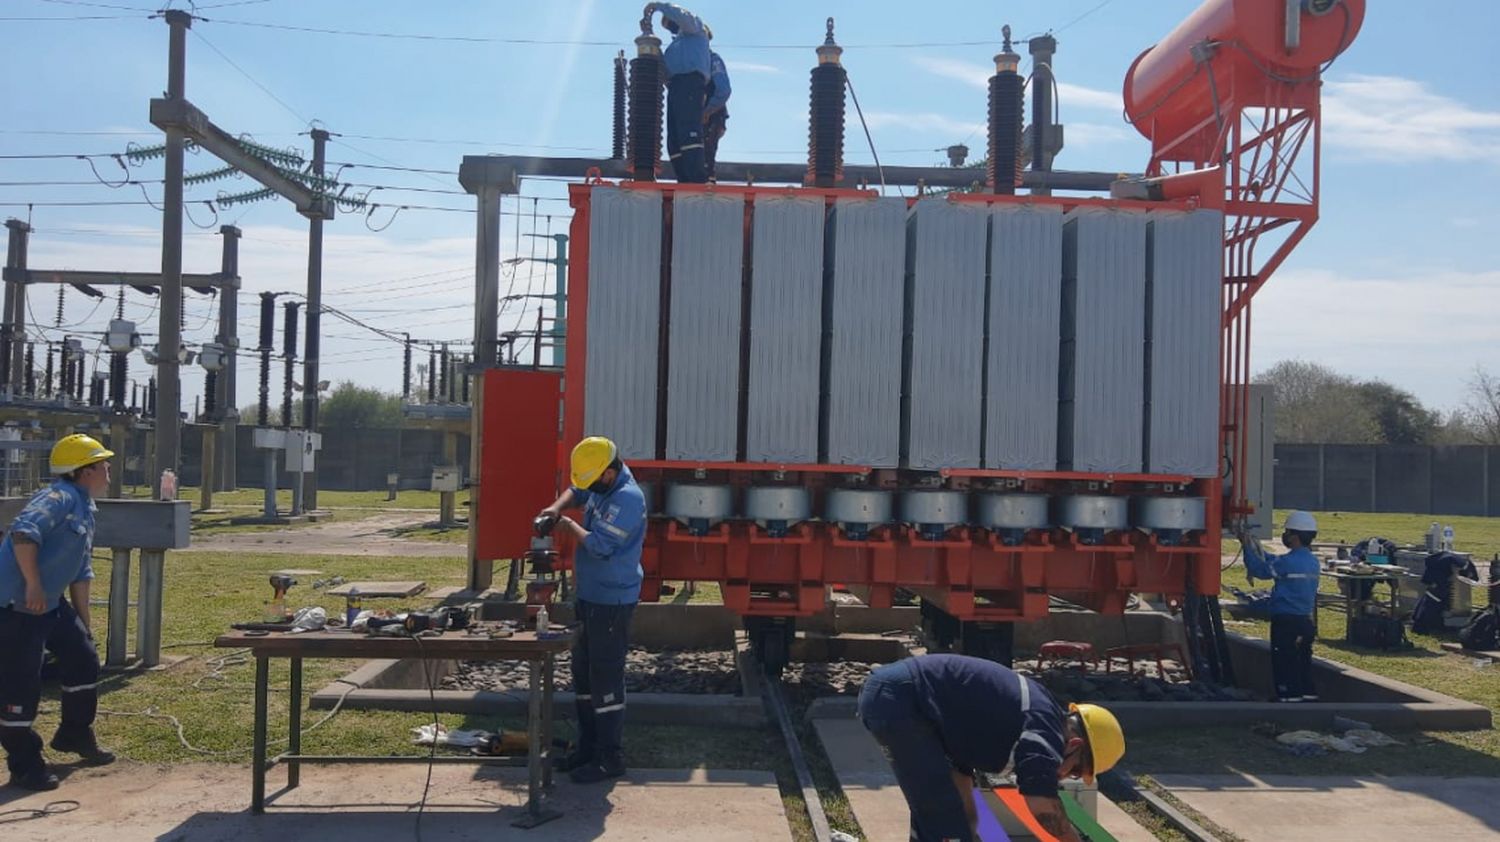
148 608
1041 48
13 330
486 327
294 726
560 300
210 468
168 382
270 483
119 442
309 480
448 499
116 645
258 749
229 316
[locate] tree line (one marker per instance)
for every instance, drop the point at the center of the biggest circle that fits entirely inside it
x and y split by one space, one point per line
1317 405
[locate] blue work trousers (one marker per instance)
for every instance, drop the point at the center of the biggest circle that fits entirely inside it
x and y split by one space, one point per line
24 640
685 99
888 708
599 648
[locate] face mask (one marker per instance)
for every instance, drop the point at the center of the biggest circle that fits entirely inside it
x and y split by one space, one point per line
1286 538
601 487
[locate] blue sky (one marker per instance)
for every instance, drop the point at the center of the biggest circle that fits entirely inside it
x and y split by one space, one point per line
1399 280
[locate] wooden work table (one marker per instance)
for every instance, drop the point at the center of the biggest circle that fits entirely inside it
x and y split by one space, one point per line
522 646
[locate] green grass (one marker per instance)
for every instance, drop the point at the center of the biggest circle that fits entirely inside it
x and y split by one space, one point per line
409 499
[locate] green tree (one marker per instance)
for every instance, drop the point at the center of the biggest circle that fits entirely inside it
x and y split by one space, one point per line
1317 405
1399 417
350 406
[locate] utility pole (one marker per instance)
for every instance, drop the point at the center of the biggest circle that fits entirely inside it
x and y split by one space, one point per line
169 330
314 317
229 337
559 293
486 347
13 330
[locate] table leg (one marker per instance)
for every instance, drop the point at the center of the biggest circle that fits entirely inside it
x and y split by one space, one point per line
546 740
258 758
536 813
294 735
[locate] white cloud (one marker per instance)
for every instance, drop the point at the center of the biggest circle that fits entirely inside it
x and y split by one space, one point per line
1423 333
925 122
750 67
1390 118
978 76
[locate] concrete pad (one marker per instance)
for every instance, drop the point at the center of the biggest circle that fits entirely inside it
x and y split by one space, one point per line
1488 654
1120 825
866 779
378 590
205 803
447 591
1296 808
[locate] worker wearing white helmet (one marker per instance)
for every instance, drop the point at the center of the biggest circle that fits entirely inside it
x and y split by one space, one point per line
1294 598
47 552
607 571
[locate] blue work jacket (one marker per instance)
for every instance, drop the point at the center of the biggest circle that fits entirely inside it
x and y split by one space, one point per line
1294 577
59 519
688 52
607 564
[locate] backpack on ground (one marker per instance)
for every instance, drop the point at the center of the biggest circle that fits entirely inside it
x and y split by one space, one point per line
1482 632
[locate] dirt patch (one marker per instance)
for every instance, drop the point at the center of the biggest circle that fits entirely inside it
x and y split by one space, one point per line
371 536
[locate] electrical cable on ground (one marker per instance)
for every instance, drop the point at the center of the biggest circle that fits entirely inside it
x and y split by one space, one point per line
51 808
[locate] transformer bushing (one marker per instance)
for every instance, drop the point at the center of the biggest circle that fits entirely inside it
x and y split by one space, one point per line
119 373
1091 516
1011 516
699 507
777 509
932 513
617 146
1170 519
825 135
1007 106
857 511
644 130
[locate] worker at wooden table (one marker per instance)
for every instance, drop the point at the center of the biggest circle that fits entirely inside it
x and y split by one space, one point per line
607 568
940 718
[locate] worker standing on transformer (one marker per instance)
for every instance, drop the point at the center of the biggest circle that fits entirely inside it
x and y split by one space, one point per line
715 112
607 571
688 64
1294 602
940 718
48 550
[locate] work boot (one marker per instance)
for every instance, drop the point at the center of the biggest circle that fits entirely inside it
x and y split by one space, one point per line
36 780
85 745
599 769
575 759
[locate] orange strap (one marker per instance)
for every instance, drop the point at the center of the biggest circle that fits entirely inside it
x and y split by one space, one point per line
1016 803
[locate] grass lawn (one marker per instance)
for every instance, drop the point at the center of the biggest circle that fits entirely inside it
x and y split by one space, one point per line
409 499
1233 749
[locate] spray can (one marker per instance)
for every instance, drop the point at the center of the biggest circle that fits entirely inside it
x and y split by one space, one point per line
1432 537
542 621
169 484
352 606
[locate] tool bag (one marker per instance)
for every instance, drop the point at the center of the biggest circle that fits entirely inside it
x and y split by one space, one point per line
1482 632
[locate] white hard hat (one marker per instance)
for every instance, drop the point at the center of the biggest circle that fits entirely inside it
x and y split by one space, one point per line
1301 522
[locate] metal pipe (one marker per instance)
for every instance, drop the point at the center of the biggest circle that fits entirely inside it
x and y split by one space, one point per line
115 646
1042 49
479 172
148 608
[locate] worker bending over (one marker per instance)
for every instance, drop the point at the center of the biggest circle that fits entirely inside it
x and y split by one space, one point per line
689 68
46 551
715 112
940 718
607 573
1294 601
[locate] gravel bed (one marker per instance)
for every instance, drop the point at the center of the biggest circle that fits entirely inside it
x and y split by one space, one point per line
668 671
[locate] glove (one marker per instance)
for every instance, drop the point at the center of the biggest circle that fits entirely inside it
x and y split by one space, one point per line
544 523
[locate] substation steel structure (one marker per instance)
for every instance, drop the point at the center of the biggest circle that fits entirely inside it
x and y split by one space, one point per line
1230 103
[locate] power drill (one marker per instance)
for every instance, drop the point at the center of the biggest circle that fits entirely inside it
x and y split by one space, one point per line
280 583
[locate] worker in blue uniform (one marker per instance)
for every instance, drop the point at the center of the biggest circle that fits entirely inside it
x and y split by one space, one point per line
941 718
689 68
607 573
1294 601
715 111
46 552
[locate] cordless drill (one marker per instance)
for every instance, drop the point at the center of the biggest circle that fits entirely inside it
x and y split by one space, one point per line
280 584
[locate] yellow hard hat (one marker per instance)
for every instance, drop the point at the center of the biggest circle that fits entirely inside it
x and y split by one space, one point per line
1105 737
590 457
77 451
